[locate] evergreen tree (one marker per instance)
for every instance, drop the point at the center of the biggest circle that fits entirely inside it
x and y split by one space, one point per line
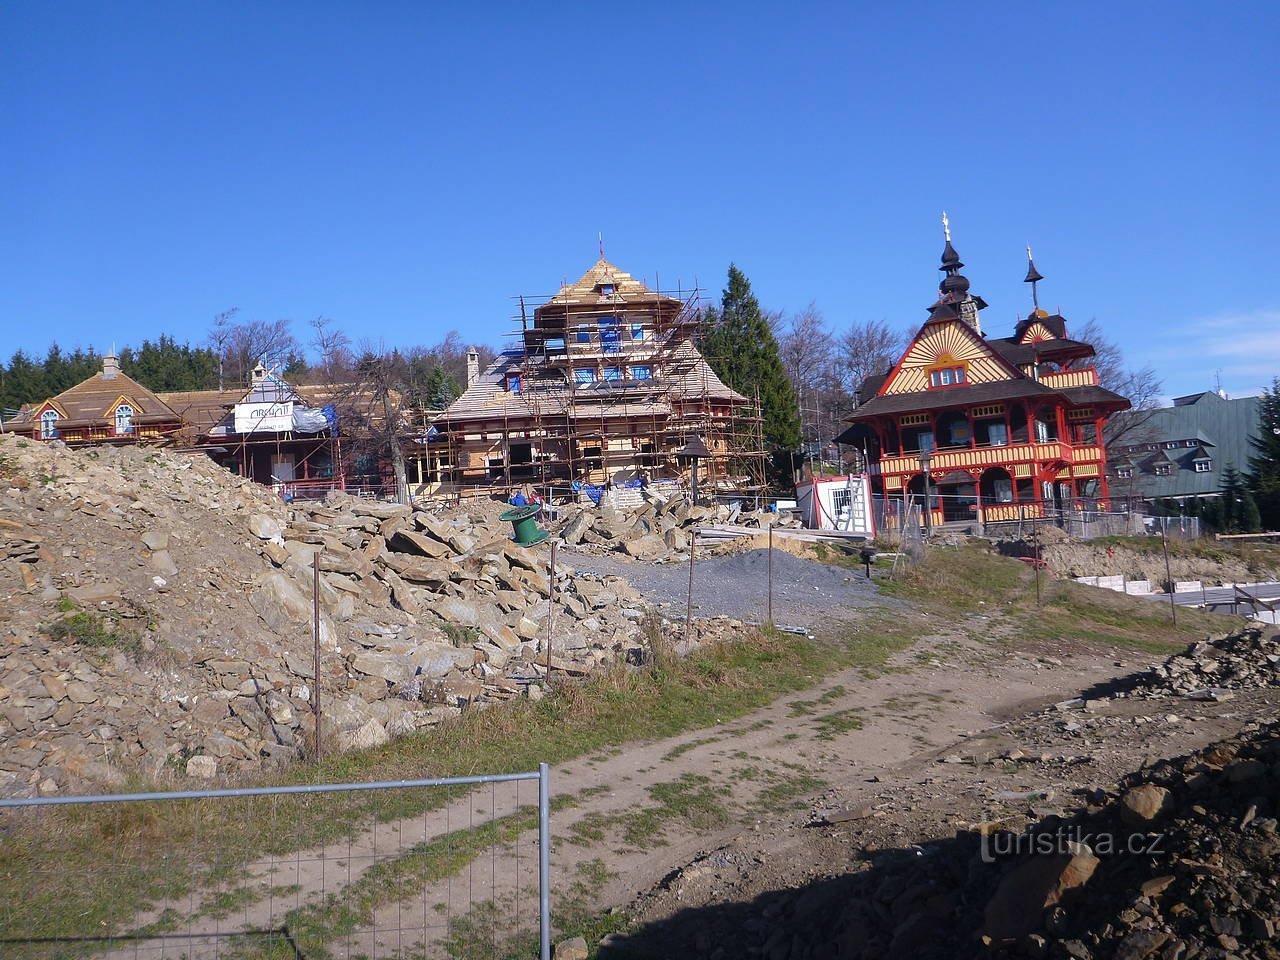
23 382
1264 465
1250 518
1233 492
743 352
1211 515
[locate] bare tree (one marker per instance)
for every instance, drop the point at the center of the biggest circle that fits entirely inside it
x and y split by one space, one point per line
867 349
808 354
334 349
1140 386
372 406
220 335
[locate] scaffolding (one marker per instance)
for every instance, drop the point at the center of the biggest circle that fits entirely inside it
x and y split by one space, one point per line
602 390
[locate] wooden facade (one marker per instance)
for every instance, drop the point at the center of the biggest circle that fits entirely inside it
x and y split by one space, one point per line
1005 428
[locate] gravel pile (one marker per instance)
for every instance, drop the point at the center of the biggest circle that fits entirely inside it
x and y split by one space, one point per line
806 593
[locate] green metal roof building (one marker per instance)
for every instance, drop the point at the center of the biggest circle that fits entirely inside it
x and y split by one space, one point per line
1182 450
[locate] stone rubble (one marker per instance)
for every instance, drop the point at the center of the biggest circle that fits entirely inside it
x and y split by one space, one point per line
659 529
158 618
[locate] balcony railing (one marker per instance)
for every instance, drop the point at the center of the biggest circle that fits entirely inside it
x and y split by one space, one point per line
961 459
1084 377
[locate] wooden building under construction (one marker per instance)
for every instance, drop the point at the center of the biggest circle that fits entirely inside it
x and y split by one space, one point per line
603 387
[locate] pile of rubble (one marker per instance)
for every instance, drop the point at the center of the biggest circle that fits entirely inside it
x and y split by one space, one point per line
658 528
1180 860
159 618
1206 670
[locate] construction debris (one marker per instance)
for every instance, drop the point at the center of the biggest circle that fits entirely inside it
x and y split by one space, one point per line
159 618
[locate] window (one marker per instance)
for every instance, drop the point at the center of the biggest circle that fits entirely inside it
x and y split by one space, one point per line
1164 469
1002 489
997 434
637 331
1172 444
584 333
49 425
612 373
513 383
124 419
1190 443
584 375
1042 432
946 377
610 335
1124 473
606 289
841 503
643 372
1203 466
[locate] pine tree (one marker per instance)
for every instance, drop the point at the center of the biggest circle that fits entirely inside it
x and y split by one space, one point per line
1233 492
1264 465
1250 518
23 382
743 352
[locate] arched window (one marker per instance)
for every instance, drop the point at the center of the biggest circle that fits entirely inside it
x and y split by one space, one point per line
124 419
49 425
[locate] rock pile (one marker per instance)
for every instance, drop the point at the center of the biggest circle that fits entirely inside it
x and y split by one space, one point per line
659 529
158 617
1250 658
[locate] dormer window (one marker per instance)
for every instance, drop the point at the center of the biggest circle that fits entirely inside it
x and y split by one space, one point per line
124 420
606 289
49 425
1203 465
513 383
1164 469
1124 473
947 377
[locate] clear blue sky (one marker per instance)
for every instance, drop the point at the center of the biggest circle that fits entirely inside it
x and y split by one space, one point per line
406 168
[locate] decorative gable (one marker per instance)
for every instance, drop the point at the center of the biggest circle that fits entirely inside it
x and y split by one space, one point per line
941 346
122 399
46 407
1037 333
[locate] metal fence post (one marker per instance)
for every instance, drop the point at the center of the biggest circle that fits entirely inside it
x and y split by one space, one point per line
544 861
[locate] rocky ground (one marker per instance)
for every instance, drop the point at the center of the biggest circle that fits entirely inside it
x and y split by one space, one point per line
158 616
1137 820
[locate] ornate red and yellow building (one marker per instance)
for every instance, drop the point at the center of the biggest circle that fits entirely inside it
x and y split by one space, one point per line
1006 428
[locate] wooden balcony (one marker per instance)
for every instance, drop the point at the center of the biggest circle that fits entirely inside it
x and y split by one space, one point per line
1085 377
962 459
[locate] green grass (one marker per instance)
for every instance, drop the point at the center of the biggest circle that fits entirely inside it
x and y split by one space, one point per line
973 579
691 801
90 630
683 748
831 725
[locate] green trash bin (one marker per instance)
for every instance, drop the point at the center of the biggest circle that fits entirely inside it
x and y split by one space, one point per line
525 523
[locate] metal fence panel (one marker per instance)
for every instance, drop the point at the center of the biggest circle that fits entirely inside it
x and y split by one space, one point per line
396 869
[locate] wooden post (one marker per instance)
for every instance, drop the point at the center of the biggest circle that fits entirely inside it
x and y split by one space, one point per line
769 608
1035 533
315 643
551 606
1168 576
688 605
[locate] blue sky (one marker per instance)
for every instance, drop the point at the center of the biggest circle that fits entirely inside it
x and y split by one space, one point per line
407 168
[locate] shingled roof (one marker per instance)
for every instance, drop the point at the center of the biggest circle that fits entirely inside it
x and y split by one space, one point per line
89 401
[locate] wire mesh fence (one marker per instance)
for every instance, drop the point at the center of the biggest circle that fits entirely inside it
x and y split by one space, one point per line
450 868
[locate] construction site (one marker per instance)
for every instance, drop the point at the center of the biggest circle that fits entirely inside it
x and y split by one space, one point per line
604 387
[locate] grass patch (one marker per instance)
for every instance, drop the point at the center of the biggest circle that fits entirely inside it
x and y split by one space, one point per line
93 631
787 794
683 748
972 579
692 801
831 725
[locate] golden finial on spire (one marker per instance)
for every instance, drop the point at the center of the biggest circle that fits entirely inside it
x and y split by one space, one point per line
946 227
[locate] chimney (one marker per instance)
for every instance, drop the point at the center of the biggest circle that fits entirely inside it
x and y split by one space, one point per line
257 374
473 365
110 366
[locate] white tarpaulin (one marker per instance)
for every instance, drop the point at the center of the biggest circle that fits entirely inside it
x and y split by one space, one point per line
264 417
